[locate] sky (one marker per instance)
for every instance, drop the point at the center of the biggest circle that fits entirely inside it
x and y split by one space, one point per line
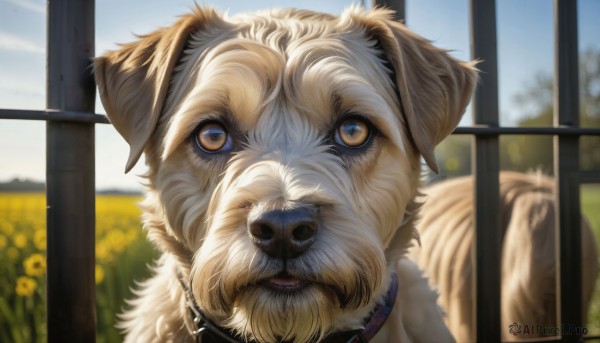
524 35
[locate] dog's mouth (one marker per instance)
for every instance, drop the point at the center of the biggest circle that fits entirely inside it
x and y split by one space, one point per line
284 282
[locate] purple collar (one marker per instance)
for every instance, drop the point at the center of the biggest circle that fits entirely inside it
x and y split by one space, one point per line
382 311
210 332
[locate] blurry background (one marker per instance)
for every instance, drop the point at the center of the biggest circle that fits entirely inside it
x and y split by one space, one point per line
525 55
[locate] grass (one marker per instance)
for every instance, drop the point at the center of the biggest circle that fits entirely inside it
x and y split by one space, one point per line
590 206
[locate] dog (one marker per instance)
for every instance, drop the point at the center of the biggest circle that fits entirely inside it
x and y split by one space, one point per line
284 156
528 262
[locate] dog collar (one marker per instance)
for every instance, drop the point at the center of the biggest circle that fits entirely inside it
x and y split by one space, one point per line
206 331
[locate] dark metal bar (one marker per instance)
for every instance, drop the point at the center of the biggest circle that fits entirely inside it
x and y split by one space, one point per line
397 5
88 117
589 177
54 115
488 236
482 130
566 166
486 130
70 173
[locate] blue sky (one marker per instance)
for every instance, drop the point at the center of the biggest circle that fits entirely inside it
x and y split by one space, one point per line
525 48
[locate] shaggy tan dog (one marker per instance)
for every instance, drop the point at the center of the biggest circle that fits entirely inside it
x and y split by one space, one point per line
527 210
283 152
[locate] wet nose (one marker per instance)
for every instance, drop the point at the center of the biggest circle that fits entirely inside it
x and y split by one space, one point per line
284 233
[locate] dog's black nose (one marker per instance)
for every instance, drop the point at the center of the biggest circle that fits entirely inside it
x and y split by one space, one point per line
284 233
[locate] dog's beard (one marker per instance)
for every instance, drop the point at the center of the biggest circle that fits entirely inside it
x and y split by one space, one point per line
232 285
271 316
230 280
260 312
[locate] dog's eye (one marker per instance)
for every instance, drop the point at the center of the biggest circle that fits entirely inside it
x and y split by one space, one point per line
353 133
213 137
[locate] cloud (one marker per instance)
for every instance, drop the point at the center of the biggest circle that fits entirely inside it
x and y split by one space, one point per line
18 44
34 6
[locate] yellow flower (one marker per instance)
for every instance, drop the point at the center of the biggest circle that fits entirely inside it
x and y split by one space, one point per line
99 274
3 242
117 240
13 253
35 265
25 286
7 228
132 235
39 224
39 239
20 240
103 252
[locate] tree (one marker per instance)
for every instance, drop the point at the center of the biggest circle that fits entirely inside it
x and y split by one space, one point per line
529 152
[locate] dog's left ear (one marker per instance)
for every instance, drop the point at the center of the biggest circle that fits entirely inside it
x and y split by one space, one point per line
133 81
433 87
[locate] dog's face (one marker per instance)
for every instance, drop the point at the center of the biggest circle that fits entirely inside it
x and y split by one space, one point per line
284 155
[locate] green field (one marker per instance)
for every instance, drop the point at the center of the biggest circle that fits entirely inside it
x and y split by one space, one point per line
590 206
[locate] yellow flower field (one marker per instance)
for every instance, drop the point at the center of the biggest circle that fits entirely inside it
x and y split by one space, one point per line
122 255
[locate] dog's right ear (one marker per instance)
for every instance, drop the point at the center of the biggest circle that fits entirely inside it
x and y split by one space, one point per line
434 88
133 81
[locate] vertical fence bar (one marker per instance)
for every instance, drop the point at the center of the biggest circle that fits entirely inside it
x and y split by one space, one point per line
566 167
70 173
488 237
397 5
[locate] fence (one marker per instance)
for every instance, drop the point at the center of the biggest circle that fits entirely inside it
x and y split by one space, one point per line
70 183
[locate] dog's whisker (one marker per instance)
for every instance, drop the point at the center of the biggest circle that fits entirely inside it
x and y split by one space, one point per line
251 262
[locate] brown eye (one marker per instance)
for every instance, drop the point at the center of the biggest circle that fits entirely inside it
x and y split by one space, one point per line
353 133
213 137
